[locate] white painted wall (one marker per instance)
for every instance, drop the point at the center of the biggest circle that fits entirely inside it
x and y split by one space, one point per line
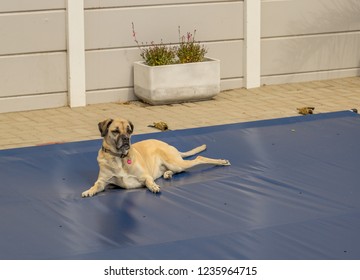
33 58
43 64
305 40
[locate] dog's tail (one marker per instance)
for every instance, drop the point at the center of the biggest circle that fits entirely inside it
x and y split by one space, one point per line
193 151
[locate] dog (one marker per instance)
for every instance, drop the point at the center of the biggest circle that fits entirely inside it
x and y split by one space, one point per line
136 165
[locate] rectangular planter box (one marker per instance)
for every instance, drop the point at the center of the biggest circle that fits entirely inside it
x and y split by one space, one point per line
177 83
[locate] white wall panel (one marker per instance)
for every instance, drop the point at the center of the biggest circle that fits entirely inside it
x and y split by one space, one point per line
296 17
32 74
310 53
30 5
230 54
310 76
33 62
305 40
110 68
133 3
32 32
33 102
111 28
110 95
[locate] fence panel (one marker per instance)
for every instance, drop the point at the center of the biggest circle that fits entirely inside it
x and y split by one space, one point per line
306 40
33 58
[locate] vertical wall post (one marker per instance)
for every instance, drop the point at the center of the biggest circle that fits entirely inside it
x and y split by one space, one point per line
252 17
76 53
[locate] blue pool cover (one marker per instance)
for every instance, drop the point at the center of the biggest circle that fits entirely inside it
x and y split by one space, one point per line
292 192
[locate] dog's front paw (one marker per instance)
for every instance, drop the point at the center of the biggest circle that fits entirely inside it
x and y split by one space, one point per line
154 188
88 193
99 186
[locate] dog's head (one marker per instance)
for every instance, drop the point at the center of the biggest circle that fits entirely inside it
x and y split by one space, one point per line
116 134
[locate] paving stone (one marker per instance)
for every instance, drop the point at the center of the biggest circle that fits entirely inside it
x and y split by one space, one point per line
239 105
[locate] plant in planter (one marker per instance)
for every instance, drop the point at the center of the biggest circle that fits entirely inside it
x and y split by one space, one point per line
175 73
189 50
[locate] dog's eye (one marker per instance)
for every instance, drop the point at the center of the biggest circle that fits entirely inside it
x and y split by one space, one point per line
115 132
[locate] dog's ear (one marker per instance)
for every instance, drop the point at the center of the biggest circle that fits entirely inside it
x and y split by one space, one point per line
104 126
131 130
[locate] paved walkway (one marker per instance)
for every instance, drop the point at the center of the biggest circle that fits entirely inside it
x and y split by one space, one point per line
43 127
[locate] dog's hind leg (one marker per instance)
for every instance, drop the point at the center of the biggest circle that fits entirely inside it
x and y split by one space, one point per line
179 165
168 174
193 151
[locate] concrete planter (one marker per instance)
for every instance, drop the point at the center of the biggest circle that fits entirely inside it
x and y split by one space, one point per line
177 83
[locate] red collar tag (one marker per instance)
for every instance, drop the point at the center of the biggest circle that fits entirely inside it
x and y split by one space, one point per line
128 161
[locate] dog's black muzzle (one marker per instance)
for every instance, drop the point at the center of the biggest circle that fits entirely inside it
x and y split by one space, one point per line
123 143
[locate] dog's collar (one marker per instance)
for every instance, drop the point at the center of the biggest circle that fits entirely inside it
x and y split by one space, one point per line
112 153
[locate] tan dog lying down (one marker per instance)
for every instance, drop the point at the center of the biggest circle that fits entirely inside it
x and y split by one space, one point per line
132 166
